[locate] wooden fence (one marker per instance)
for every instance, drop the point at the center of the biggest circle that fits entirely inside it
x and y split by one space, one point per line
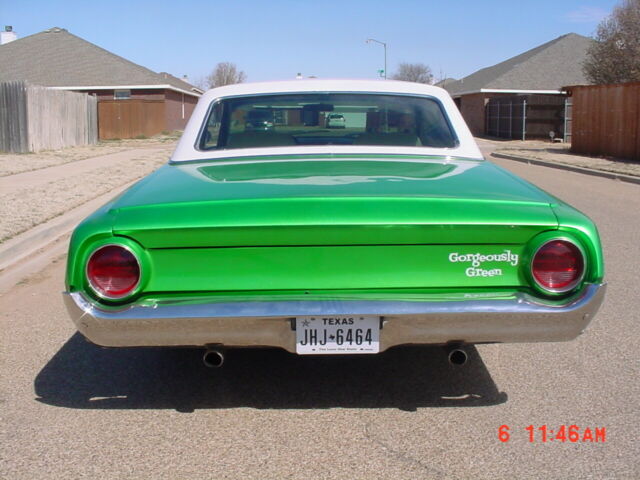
130 118
606 120
36 118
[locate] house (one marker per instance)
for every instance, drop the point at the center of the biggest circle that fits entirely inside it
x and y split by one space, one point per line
132 99
541 71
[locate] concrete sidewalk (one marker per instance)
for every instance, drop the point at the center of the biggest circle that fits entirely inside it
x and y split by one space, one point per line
558 156
34 178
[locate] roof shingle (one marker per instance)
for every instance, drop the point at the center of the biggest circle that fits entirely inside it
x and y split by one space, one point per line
57 58
549 66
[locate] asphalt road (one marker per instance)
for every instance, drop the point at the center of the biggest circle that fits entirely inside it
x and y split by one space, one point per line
69 409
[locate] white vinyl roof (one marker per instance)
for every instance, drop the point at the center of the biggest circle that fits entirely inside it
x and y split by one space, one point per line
186 150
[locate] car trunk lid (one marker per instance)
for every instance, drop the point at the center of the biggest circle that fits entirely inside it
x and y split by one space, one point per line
332 202
333 224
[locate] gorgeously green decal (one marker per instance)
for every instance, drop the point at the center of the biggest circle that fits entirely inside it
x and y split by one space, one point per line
478 259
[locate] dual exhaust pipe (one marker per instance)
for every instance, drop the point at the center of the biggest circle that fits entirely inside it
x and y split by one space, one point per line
456 355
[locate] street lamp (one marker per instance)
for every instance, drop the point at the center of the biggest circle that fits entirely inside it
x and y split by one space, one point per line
369 40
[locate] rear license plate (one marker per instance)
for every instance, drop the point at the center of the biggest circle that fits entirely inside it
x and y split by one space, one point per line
337 335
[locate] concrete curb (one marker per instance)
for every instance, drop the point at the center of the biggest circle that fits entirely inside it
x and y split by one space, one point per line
35 263
23 245
572 168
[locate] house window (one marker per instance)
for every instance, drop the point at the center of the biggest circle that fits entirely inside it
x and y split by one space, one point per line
121 94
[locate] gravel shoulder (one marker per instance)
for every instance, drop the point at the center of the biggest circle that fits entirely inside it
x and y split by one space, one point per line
559 153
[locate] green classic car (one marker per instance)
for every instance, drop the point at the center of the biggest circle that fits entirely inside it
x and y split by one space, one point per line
392 230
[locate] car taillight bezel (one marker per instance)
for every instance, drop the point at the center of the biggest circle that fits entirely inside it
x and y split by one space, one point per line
96 290
575 283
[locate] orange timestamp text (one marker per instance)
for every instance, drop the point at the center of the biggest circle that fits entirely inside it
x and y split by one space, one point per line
559 434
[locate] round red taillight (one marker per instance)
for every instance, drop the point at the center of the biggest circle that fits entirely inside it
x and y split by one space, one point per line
113 271
558 266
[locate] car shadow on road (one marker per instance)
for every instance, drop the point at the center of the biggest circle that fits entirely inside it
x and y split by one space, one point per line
82 375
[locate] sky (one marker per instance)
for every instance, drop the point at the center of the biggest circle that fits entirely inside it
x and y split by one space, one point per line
276 39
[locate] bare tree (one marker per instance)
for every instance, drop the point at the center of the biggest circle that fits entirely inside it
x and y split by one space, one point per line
201 82
414 72
614 57
225 73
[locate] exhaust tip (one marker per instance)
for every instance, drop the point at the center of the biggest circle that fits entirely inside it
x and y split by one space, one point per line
213 358
458 356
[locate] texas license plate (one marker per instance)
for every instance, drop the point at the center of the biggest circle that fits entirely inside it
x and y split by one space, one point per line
337 335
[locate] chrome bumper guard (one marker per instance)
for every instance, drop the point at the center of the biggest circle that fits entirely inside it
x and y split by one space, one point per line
522 318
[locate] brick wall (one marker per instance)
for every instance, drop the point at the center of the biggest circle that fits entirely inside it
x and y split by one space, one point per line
176 118
472 107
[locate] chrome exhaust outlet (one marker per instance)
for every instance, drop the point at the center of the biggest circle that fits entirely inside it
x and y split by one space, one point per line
213 358
456 355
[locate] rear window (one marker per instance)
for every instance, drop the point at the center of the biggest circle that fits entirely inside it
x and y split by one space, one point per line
326 119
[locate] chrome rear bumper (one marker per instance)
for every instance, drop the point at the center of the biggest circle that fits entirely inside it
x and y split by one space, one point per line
519 319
